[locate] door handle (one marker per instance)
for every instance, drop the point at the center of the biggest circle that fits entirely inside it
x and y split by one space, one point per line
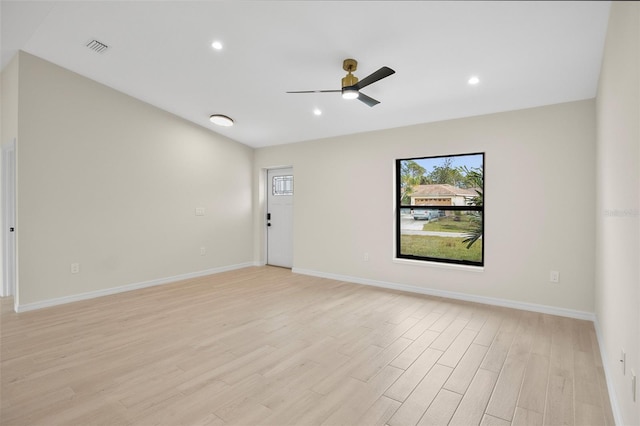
12 229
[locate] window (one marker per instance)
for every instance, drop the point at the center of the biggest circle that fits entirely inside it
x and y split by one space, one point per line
282 185
440 209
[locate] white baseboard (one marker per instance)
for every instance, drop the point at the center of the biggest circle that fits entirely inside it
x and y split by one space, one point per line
551 310
613 399
129 287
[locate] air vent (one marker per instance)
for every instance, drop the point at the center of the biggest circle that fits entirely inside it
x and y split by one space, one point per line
97 46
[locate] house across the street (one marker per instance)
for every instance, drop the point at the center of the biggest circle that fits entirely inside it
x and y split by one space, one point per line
442 195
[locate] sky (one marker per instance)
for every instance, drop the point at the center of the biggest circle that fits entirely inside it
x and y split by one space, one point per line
469 160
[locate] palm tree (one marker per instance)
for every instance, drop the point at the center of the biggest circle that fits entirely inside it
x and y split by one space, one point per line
476 178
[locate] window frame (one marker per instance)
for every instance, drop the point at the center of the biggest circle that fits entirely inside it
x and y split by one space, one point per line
282 185
399 207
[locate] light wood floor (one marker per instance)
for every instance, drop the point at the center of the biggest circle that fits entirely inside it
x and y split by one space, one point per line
266 346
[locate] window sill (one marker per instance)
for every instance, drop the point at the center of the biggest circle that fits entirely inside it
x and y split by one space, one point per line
424 263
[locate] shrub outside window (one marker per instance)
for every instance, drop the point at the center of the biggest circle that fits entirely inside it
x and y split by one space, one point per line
440 209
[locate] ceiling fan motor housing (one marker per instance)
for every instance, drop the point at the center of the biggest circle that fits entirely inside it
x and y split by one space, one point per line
349 65
349 80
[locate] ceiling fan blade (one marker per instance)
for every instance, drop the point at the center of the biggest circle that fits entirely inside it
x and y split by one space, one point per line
368 100
372 78
316 91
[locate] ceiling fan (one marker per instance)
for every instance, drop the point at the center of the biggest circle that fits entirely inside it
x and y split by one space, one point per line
351 86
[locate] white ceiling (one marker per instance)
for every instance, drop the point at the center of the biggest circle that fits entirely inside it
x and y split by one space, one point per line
525 53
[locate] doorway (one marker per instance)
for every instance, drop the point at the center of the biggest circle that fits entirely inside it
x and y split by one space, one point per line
9 219
280 217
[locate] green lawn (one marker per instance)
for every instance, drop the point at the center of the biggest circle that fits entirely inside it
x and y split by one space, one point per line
440 247
449 224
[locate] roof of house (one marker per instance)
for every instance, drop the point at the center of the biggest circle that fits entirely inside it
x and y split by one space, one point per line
441 190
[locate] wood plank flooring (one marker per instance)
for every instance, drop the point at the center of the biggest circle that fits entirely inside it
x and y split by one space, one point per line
265 346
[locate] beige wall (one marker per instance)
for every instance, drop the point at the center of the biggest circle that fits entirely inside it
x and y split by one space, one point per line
618 203
539 203
9 101
112 183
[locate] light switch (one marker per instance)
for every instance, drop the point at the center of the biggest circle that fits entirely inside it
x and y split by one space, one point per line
199 211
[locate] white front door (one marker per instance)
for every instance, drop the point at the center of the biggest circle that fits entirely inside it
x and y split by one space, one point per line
280 217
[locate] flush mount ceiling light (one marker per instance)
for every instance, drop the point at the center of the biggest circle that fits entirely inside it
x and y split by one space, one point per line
317 111
221 120
473 80
217 45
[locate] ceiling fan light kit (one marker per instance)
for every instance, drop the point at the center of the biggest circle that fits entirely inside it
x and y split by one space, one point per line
350 93
351 85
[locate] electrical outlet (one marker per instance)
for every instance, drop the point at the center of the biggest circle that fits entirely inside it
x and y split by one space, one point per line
554 276
366 257
199 211
623 361
203 251
75 268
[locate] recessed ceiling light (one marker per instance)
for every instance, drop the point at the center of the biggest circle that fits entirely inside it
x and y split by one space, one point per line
217 45
221 120
473 80
317 111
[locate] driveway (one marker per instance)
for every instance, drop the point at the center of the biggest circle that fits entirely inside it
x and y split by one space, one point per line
410 226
